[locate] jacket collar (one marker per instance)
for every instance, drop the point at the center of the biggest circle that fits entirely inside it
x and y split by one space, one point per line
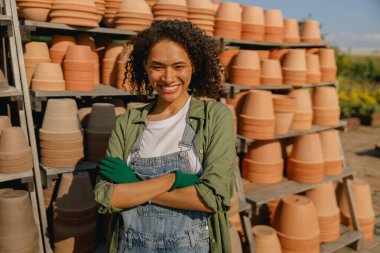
196 110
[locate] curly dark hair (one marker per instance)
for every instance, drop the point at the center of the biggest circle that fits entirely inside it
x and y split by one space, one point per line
206 79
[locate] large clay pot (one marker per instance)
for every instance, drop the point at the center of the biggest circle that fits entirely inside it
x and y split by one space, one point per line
48 77
326 205
246 68
266 239
332 152
296 223
310 31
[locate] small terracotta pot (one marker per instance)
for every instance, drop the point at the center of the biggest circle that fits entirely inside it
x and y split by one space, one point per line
273 18
284 110
247 59
325 97
35 49
31 11
79 53
295 59
13 141
307 148
139 6
313 69
332 152
265 151
258 105
266 239
253 15
262 173
310 31
271 73
303 100
291 31
102 118
327 64
229 11
5 122
59 46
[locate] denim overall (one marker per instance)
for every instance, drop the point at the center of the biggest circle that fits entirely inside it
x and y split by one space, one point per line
151 228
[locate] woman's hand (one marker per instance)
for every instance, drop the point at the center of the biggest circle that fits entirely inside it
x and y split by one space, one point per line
116 171
184 180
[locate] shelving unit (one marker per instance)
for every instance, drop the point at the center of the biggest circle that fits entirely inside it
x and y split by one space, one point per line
252 195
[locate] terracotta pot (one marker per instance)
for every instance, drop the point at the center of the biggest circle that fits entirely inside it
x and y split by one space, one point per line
13 142
59 46
58 145
273 18
310 31
75 21
228 29
291 31
267 152
307 148
48 71
229 11
4 123
102 118
327 58
79 53
284 109
313 69
303 100
258 105
227 56
325 97
262 173
283 122
253 15
139 6
79 66
113 51
295 59
36 49
271 73
17 226
296 223
31 11
266 239
332 152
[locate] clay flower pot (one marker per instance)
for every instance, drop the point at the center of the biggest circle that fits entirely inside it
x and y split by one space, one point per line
266 239
102 118
139 6
13 143
273 25
246 68
271 73
79 53
310 31
291 31
48 76
253 15
4 123
228 20
226 57
296 223
229 11
294 67
265 151
34 10
59 46
304 114
326 106
326 205
332 152
328 64
284 110
17 226
313 75
306 162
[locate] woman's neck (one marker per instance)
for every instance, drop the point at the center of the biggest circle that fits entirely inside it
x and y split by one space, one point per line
163 110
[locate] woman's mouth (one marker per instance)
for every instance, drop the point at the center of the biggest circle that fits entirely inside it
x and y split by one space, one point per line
169 89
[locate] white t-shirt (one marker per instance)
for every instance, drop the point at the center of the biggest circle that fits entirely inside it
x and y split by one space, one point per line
162 138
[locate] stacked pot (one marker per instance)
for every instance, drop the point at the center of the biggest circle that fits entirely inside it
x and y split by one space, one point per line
306 162
326 108
228 20
284 109
15 153
266 239
100 124
263 162
296 223
18 230
48 77
3 81
274 26
34 9
245 68
78 68
271 73
110 64
59 45
227 56
304 113
332 153
133 15
328 64
313 73
361 194
61 138
256 119
310 31
88 40
294 67
34 53
73 12
291 31
5 122
112 7
253 23
100 8
202 14
75 215
328 211
170 9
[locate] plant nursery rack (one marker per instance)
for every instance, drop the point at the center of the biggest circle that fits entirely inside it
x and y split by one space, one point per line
100 91
25 177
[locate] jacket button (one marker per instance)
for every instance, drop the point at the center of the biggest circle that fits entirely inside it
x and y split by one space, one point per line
201 151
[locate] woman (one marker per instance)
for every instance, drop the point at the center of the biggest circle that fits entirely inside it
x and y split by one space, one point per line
169 174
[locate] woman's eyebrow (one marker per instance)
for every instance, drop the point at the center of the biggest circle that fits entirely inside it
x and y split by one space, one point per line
160 63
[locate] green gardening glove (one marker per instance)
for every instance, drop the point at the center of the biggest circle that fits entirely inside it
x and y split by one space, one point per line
117 171
183 180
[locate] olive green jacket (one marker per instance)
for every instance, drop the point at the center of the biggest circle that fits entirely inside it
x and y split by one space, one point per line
214 142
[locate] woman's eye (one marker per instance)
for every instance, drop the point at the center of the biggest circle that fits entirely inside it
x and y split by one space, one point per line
179 67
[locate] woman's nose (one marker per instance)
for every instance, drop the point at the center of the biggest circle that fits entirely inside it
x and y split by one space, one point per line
169 76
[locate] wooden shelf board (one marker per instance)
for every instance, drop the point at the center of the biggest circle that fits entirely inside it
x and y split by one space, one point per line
238 87
294 133
58 26
5 20
259 194
272 44
100 90
81 166
244 206
10 92
346 238
22 175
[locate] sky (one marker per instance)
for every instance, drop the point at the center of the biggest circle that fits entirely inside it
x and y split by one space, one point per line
348 24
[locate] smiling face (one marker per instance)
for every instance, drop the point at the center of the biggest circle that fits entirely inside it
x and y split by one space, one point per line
169 70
